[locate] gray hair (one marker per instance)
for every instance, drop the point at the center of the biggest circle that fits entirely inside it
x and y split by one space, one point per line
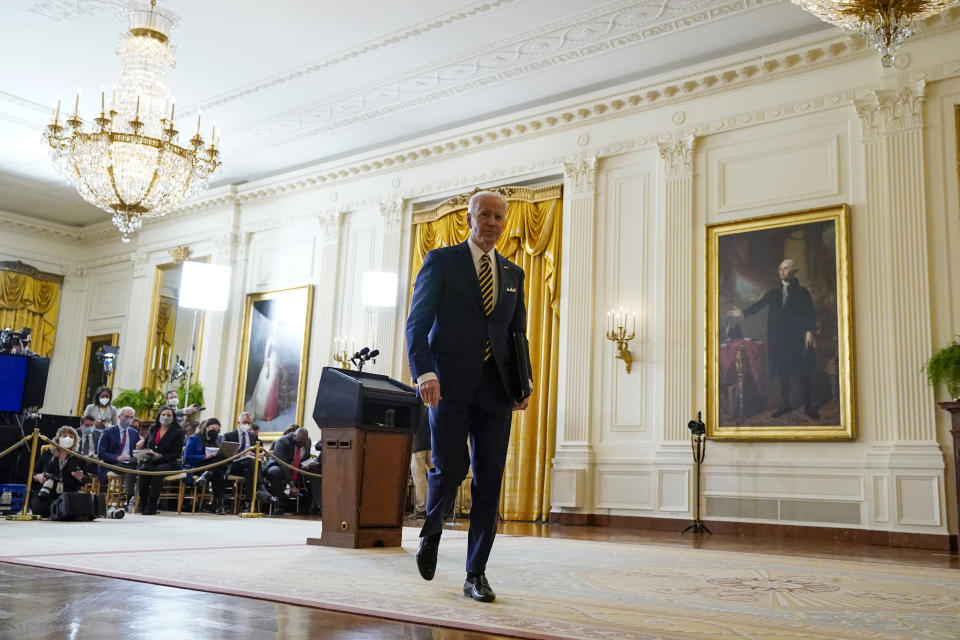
130 409
244 413
472 205
790 265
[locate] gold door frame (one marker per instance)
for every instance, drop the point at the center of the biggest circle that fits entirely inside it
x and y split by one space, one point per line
149 377
114 339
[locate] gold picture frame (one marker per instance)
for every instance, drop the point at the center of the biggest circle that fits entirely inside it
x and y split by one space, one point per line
273 358
780 351
91 366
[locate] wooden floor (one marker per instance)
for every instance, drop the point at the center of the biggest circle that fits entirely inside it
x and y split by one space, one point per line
41 604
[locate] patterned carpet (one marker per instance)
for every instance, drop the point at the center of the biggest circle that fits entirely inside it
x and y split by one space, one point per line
546 587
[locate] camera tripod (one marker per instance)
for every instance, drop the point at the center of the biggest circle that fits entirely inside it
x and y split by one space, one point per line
698 442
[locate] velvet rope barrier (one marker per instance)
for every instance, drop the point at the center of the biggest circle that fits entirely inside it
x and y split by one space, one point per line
137 472
293 468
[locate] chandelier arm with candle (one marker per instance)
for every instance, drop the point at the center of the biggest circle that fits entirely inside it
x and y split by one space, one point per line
130 164
884 24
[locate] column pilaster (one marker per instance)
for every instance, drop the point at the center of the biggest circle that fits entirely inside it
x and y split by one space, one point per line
677 174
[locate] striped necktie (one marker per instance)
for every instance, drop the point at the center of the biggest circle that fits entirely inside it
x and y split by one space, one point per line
486 294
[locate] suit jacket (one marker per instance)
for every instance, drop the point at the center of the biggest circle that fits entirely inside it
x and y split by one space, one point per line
447 328
234 436
285 448
170 446
108 449
787 324
195 452
70 484
96 435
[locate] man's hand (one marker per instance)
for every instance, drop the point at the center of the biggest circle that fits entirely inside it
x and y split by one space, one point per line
192 409
430 392
522 406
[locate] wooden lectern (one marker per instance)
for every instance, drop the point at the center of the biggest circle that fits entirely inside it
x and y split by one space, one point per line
366 421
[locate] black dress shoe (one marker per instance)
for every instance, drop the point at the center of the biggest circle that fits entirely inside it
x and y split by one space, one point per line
427 556
479 589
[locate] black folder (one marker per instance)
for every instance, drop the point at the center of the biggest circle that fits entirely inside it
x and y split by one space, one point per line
522 372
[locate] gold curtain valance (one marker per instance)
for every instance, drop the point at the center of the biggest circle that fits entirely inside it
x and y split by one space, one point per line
456 203
30 298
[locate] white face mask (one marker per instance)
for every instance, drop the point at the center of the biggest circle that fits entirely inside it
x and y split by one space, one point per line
173 402
244 427
66 442
165 419
104 401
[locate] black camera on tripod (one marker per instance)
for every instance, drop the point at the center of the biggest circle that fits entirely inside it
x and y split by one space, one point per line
697 427
15 342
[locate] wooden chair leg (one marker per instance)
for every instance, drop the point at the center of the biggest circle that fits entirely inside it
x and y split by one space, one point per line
193 504
180 494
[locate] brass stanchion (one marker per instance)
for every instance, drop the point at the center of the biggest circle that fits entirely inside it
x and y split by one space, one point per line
26 497
253 513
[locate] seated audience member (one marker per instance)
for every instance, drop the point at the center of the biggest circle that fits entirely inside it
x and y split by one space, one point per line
165 440
294 449
195 455
62 474
142 427
89 442
243 466
173 401
290 429
103 412
116 448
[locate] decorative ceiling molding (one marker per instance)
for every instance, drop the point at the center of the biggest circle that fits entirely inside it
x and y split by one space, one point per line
806 55
298 73
592 33
58 10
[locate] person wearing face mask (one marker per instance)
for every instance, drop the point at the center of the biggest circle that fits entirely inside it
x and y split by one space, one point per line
116 447
89 442
165 440
103 412
195 455
244 466
62 473
173 401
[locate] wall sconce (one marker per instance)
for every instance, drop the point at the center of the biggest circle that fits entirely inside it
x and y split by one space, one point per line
622 328
343 350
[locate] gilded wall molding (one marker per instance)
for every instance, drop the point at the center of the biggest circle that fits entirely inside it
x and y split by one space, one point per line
510 192
891 110
19 266
677 157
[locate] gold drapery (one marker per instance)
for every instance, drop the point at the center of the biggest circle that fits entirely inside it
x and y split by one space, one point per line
30 298
531 239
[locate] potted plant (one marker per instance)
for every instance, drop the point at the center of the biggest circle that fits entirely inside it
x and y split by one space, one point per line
142 401
943 367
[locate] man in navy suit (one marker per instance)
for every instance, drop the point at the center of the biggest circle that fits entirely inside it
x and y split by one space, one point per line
467 301
116 447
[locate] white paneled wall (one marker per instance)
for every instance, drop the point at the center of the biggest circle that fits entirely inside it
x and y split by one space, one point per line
641 183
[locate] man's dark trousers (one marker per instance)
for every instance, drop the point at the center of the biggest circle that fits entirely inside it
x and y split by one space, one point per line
485 418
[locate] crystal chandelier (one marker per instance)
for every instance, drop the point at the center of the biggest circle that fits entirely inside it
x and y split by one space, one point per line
130 163
884 24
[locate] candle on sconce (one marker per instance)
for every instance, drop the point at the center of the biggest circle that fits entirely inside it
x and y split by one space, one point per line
633 323
76 104
199 115
153 361
56 116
